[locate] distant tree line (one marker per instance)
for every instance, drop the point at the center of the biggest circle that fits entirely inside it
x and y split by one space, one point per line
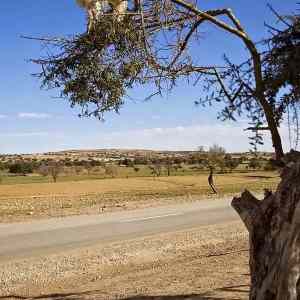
216 158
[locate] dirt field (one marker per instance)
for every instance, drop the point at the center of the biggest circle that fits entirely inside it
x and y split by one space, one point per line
205 263
40 200
226 182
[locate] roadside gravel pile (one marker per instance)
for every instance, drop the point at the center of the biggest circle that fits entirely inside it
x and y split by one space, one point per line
165 263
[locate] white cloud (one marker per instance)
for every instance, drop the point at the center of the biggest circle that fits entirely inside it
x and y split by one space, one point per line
231 136
23 134
31 115
3 116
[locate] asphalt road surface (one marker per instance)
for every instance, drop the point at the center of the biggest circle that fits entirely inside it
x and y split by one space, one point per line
39 238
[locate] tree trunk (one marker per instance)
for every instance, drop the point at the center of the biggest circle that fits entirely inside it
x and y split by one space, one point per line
276 139
274 236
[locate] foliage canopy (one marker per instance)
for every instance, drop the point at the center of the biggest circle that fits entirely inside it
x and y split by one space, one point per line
152 45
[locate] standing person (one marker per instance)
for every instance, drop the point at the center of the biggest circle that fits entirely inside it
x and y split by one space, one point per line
211 180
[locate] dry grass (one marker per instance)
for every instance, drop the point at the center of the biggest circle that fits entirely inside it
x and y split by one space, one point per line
144 184
21 201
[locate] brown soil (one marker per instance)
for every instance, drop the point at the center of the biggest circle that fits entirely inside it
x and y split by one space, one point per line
23 202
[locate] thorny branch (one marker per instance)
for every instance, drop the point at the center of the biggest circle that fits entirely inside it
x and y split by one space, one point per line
152 45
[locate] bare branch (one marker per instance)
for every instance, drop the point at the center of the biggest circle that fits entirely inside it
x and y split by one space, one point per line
211 18
258 129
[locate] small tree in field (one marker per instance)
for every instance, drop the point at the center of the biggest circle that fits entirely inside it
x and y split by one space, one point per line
269 166
169 165
156 169
78 170
152 44
111 170
43 170
54 169
254 163
88 167
215 157
230 162
21 168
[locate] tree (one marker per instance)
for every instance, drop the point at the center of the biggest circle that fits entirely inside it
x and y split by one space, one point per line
254 163
54 169
201 149
43 170
269 166
21 168
16 168
230 162
151 45
78 170
2 166
127 162
217 150
88 166
111 170
119 55
216 155
169 165
156 169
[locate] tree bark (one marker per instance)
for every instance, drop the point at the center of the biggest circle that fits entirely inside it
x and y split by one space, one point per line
274 236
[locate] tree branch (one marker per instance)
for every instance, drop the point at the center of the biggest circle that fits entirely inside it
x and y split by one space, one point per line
257 66
207 16
258 129
248 208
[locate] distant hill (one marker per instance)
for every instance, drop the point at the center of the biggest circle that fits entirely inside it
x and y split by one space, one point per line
113 154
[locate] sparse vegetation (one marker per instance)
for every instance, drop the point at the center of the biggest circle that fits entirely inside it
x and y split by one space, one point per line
254 163
54 170
83 165
21 168
45 199
230 162
111 170
156 169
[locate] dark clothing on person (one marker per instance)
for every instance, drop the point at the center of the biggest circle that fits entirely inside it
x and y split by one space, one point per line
211 181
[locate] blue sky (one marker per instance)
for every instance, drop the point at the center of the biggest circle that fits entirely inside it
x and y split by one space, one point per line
33 120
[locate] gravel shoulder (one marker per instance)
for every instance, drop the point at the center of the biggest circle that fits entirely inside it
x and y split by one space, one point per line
26 210
208 262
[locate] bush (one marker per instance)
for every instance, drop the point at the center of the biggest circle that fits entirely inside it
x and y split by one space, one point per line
111 170
269 166
21 168
254 163
230 162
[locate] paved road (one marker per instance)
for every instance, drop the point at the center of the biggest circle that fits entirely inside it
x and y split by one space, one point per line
23 240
